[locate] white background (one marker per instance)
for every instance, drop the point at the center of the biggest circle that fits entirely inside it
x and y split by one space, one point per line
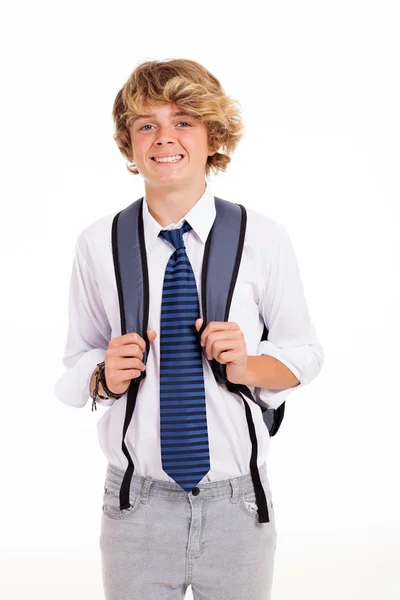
318 83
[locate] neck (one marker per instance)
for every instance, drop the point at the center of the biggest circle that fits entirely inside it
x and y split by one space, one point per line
170 205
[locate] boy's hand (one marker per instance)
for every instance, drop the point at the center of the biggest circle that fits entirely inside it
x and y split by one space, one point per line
123 360
224 341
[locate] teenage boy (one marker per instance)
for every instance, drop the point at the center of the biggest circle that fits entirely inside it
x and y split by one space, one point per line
192 517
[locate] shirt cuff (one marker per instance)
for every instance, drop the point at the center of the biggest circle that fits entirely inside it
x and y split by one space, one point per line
105 401
292 358
73 386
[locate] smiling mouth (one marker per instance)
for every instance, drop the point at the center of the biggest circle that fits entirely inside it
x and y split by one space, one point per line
167 161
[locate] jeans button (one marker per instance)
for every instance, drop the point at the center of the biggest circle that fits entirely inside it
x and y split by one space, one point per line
195 491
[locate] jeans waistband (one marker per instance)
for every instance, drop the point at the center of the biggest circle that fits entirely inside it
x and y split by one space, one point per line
209 489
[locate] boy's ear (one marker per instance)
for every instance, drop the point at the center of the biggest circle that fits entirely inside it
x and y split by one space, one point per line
212 150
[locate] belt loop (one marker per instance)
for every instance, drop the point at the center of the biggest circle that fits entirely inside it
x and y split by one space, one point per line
144 491
235 489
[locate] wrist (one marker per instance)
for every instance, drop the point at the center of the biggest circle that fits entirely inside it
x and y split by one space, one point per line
102 380
97 386
92 385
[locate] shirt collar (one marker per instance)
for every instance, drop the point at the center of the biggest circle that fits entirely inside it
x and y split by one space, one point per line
201 218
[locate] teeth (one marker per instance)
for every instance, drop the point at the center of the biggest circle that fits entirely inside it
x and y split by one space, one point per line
169 158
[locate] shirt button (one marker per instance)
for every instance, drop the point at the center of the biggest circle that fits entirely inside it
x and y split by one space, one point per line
195 491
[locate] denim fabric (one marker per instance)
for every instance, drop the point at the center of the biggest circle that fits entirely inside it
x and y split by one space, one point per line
169 539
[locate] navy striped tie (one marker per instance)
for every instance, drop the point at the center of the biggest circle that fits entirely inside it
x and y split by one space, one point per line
183 419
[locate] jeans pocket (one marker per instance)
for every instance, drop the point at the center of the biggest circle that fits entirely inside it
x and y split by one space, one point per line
248 501
111 506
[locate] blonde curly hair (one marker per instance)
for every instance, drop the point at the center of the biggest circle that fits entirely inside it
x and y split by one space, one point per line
193 88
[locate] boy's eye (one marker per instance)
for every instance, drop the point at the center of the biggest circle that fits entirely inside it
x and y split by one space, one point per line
180 122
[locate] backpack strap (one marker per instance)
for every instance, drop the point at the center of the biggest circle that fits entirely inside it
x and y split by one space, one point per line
131 273
221 262
222 256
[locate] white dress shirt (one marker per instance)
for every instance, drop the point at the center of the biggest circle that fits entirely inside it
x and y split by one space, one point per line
268 289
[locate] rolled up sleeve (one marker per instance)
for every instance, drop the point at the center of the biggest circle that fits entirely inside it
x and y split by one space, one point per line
88 335
292 338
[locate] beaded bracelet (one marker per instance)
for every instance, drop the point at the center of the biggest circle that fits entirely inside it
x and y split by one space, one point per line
100 378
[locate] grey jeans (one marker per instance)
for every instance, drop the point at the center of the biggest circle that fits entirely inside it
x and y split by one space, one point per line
169 539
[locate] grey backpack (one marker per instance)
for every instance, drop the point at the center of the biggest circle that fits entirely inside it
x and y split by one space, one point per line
222 256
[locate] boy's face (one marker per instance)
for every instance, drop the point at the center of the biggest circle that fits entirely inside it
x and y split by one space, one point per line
165 133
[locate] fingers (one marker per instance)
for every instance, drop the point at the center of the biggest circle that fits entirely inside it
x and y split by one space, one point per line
119 370
216 341
128 339
124 360
126 351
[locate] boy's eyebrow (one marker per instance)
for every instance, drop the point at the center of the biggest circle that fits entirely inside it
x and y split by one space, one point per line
178 113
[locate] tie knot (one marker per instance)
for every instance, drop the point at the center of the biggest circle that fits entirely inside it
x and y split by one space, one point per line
175 236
